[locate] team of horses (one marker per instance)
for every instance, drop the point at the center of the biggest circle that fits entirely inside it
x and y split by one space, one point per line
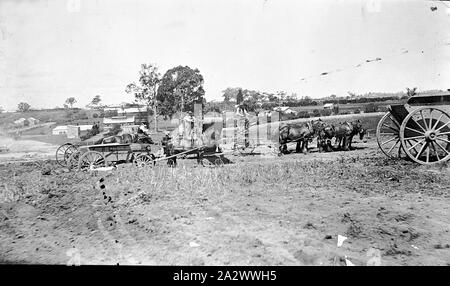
304 133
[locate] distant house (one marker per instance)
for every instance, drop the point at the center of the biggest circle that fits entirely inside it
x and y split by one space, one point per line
60 130
140 113
127 123
32 121
328 106
20 122
84 127
285 110
131 111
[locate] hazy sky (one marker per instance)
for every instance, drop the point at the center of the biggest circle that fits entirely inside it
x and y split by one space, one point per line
51 50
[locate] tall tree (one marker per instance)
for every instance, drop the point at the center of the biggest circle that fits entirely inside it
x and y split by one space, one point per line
180 88
23 107
95 103
230 93
71 101
146 89
239 97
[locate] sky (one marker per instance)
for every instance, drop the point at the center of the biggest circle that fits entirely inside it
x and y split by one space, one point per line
54 49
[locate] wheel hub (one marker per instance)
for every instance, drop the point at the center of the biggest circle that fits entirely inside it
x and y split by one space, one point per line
430 135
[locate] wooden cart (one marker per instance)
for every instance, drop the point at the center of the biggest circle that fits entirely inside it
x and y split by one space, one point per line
419 130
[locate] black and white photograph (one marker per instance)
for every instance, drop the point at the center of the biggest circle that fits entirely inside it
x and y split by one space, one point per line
225 133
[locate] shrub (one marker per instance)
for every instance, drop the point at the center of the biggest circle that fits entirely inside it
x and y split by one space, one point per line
371 107
303 114
326 112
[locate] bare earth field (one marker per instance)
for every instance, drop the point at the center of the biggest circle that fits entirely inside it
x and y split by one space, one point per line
257 210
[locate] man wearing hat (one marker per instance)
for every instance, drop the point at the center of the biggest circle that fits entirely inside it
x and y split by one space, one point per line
189 128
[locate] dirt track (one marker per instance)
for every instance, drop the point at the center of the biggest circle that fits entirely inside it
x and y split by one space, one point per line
256 211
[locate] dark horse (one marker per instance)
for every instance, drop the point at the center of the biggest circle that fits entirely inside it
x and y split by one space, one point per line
126 138
299 133
325 132
345 132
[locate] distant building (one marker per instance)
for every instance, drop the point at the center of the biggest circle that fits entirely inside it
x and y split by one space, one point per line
60 130
140 113
20 122
285 110
127 123
328 106
85 127
32 121
73 131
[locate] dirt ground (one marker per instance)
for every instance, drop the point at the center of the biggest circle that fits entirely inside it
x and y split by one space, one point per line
25 150
256 210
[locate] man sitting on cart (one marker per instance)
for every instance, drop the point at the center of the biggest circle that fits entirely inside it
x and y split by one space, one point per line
143 134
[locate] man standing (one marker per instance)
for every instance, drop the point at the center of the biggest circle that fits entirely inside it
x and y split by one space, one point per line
189 128
166 142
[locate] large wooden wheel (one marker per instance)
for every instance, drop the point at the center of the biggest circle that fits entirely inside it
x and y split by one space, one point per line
144 160
388 136
425 135
72 151
91 160
63 153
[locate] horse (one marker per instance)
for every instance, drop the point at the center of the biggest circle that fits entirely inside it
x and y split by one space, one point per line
300 134
345 132
325 133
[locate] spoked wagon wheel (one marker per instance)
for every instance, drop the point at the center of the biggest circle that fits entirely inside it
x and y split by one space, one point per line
206 163
211 162
388 136
218 162
425 135
144 160
72 151
61 156
91 160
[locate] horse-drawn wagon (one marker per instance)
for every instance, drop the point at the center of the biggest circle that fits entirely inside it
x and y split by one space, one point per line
206 139
102 155
419 130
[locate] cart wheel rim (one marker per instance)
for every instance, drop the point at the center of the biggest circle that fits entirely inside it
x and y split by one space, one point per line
91 160
143 161
60 154
425 135
388 136
218 162
206 163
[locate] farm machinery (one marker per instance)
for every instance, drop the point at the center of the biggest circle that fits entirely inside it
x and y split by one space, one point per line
208 141
418 130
